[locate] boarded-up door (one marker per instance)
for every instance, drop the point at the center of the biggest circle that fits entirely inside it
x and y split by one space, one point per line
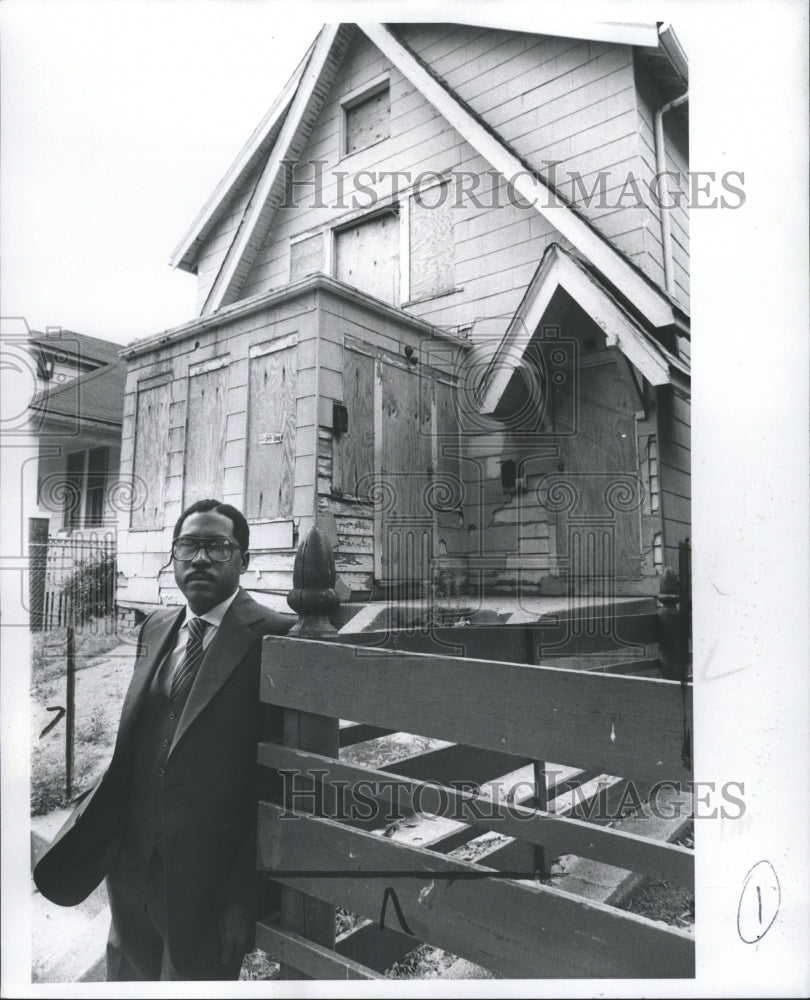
593 493
404 512
151 463
205 435
271 433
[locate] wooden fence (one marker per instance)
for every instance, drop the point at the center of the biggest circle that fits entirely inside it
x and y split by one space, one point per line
321 840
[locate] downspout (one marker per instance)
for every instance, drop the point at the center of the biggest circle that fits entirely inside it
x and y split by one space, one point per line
660 167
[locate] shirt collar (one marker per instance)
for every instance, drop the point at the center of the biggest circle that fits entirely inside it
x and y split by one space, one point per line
214 615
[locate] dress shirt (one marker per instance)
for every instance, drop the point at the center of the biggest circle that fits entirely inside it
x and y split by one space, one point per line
214 618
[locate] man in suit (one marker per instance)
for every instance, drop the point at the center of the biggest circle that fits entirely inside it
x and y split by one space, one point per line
171 823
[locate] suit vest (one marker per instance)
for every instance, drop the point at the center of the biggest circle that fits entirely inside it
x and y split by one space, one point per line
156 728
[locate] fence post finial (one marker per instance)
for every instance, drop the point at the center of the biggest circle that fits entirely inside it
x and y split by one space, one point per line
313 593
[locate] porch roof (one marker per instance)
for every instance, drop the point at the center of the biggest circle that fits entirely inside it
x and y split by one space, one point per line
561 269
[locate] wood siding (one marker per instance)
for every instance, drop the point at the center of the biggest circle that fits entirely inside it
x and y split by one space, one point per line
674 188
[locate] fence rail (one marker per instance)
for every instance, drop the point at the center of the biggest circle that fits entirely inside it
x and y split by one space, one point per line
500 717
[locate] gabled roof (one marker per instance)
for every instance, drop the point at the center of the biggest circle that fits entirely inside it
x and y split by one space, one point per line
300 104
96 396
77 345
561 269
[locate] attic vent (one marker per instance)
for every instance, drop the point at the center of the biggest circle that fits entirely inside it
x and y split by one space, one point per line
367 118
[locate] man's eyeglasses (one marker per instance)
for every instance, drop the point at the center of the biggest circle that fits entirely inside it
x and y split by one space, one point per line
186 547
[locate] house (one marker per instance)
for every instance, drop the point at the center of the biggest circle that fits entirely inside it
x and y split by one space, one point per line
76 419
443 315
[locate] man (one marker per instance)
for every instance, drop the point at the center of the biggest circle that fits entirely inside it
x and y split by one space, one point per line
171 824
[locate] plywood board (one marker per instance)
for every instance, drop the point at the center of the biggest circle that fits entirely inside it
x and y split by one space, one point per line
151 455
206 416
271 434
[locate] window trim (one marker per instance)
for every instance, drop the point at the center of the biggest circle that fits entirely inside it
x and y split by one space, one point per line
77 520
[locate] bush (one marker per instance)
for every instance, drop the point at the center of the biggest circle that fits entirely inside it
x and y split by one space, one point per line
90 590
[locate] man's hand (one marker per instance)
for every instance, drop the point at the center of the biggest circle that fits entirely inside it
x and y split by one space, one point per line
235 932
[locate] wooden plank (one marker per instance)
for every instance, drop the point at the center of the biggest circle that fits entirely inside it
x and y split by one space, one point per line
557 834
358 732
205 434
271 434
353 452
308 957
629 726
457 762
451 904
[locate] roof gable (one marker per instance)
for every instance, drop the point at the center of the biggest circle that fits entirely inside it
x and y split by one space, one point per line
299 113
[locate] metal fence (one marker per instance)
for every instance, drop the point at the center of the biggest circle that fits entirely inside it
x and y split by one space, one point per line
73 580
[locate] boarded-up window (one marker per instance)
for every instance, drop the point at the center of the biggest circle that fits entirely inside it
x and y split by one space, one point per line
271 434
151 455
367 118
367 256
205 435
430 238
353 452
306 257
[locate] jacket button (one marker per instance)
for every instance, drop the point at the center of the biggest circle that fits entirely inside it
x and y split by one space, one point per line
165 743
162 771
172 715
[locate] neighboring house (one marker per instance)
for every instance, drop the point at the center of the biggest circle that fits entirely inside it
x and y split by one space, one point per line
76 419
440 315
78 414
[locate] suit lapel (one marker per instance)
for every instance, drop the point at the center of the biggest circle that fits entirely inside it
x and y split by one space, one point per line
155 643
230 645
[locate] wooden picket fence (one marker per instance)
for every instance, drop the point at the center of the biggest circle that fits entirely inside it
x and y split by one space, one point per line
498 716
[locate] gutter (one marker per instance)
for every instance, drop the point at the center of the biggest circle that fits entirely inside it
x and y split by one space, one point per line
660 169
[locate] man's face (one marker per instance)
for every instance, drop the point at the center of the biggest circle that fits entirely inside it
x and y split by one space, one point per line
204 582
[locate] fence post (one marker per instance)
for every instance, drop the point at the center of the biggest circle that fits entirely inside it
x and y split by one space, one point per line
670 644
37 563
313 596
70 710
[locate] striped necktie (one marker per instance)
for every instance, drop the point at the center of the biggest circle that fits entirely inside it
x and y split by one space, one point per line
187 667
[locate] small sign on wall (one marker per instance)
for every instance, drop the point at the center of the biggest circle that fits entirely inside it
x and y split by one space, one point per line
270 438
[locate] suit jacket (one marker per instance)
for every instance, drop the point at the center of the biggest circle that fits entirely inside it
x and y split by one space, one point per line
209 787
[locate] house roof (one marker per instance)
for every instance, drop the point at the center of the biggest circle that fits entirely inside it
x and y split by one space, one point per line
560 269
300 103
96 396
77 345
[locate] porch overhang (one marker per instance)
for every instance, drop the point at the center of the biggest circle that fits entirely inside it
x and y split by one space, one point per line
560 269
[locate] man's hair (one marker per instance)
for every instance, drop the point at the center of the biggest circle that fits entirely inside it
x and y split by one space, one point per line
241 531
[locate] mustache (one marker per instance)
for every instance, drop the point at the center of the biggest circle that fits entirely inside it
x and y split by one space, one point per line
198 575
